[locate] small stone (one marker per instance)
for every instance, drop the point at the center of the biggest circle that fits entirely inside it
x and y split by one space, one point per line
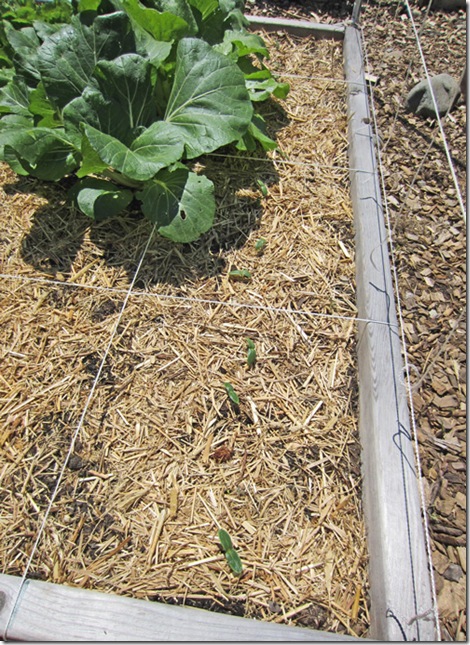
274 607
75 462
453 572
446 90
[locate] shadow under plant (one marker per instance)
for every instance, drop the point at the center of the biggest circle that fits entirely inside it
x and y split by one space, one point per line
57 234
58 230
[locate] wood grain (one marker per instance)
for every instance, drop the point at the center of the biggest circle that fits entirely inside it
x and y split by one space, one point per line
399 579
298 27
50 612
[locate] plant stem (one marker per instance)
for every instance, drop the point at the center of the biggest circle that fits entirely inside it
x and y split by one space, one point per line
120 179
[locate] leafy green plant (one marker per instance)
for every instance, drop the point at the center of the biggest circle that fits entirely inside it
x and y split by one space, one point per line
232 395
260 245
231 555
251 353
263 188
126 97
242 275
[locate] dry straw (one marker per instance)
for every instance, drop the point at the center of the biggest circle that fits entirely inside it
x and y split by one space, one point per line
164 458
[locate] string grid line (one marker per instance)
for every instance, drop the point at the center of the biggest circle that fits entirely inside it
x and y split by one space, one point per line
289 162
208 301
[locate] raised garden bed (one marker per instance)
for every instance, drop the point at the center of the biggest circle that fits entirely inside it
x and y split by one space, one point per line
162 458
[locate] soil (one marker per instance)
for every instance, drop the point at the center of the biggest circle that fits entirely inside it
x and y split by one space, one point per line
429 237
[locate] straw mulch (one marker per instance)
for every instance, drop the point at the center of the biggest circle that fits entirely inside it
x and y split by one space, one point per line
163 458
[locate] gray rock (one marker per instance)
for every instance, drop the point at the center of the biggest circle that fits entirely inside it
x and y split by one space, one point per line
453 572
446 90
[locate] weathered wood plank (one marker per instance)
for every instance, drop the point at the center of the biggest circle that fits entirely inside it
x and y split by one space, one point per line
399 578
298 27
50 612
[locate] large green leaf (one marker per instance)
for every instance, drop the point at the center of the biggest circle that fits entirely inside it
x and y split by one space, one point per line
25 44
182 9
156 148
122 106
41 152
100 199
180 202
14 98
162 25
128 82
68 58
208 102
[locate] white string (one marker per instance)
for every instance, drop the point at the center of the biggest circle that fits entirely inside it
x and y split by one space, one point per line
439 121
327 79
406 365
75 435
208 301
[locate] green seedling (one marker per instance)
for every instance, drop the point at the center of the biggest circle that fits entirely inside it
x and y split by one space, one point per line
251 354
231 555
232 395
263 188
240 274
225 540
260 245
